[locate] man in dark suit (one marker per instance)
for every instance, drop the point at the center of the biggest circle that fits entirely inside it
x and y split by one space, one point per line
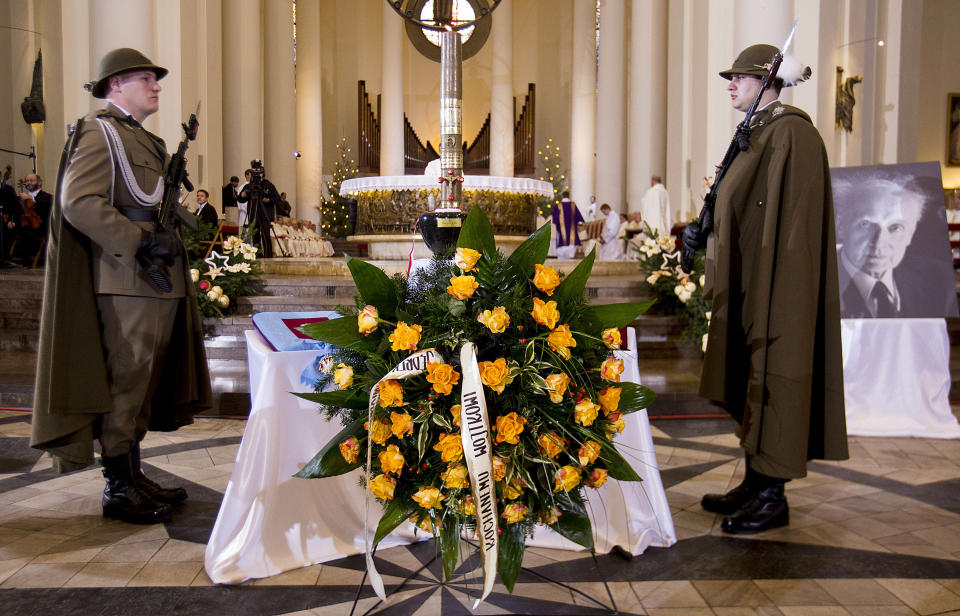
206 210
229 193
32 196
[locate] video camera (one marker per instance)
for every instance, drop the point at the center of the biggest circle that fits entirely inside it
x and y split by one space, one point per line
256 172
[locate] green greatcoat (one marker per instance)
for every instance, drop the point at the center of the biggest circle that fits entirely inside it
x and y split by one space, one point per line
71 390
773 358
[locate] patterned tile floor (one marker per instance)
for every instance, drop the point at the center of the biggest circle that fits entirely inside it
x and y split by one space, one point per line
876 535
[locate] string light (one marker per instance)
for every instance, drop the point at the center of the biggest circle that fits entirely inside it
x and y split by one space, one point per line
335 212
550 155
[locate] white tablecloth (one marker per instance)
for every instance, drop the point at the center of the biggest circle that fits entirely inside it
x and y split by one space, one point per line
355 186
270 522
896 378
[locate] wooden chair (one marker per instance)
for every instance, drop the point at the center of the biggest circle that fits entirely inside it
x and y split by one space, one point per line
216 240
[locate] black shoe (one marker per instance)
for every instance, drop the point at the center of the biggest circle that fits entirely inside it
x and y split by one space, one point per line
171 496
729 503
123 500
766 511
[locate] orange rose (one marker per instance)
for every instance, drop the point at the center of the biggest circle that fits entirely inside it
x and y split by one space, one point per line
455 477
391 394
391 460
585 413
450 447
368 320
611 369
610 399
402 424
343 376
597 478
615 426
509 427
588 452
466 259
557 385
546 279
405 337
514 512
382 486
462 287
550 516
545 313
349 449
496 320
455 411
443 377
550 444
512 490
566 479
468 507
499 468
495 374
611 337
380 431
428 497
560 340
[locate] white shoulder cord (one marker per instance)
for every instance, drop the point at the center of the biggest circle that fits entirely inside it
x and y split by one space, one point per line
116 147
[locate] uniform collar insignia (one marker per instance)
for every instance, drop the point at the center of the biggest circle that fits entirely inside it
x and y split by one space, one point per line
777 110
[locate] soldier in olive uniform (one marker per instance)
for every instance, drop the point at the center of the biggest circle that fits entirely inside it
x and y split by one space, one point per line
773 354
117 355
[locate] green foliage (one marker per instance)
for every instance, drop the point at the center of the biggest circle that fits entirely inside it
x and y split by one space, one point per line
329 462
553 172
231 275
335 211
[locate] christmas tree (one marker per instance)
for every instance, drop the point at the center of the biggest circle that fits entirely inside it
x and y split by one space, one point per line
335 210
550 156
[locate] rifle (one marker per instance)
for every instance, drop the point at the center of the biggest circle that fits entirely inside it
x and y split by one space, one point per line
172 214
696 239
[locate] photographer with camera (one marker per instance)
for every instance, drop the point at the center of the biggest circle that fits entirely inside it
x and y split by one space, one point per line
257 200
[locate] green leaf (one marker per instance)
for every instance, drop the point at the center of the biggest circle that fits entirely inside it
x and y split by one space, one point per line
441 421
423 437
572 286
456 306
615 463
477 232
329 461
634 397
510 553
574 524
449 545
598 318
394 513
532 251
347 398
339 332
375 287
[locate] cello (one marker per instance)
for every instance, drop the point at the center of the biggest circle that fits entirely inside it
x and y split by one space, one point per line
29 218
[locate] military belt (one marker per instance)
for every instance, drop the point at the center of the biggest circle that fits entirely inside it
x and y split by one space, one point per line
138 214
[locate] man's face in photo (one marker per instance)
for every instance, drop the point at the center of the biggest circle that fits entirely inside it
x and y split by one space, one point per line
879 232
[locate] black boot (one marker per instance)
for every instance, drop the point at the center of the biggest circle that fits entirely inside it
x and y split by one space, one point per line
171 496
123 500
767 510
730 502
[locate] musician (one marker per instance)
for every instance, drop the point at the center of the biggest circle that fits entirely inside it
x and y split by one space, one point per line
34 206
42 200
773 354
117 355
9 222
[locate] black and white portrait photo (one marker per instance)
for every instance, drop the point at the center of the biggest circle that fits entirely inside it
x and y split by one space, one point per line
893 250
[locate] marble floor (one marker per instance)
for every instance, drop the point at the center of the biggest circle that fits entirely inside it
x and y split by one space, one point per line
876 535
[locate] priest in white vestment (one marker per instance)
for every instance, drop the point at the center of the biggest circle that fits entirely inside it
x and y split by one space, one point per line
610 246
655 207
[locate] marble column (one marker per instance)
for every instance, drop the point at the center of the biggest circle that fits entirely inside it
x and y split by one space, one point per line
391 101
583 104
309 112
501 92
242 85
279 106
611 106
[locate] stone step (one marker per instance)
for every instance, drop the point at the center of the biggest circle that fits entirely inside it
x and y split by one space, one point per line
18 339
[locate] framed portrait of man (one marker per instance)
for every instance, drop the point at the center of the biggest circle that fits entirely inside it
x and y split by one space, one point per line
953 129
893 247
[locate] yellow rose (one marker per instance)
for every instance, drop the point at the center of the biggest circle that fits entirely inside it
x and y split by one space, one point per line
462 287
611 337
349 449
499 468
550 444
391 394
368 320
557 384
597 478
560 339
405 337
468 507
566 479
615 426
514 512
509 427
496 320
588 452
551 516
545 313
402 424
443 377
512 490
343 376
426 524
610 399
391 460
382 486
450 447
455 477
611 369
455 411
546 279
585 413
495 374
428 497
380 431
466 259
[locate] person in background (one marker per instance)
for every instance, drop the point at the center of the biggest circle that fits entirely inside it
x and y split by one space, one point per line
206 211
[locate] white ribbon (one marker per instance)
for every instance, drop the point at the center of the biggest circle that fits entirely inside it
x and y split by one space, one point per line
477 450
411 366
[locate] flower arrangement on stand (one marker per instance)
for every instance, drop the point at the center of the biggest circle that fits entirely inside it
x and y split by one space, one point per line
677 293
481 340
220 279
550 157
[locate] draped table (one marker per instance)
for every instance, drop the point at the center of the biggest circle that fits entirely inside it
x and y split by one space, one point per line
270 522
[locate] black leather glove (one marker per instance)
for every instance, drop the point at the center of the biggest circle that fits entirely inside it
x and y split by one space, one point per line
162 245
694 238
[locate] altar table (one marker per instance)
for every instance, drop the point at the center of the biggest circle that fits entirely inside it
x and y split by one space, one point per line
270 522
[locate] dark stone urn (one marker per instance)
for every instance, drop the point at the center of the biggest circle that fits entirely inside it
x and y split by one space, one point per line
441 228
